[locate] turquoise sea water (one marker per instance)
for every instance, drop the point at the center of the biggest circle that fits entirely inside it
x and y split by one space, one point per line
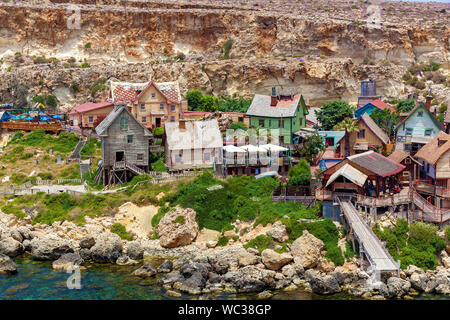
37 281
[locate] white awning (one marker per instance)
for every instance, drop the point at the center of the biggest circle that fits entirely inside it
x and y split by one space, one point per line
252 148
231 148
352 174
273 148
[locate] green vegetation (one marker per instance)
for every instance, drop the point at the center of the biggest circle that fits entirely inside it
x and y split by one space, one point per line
48 100
417 244
199 102
404 106
64 142
180 219
120 230
386 120
159 131
263 242
222 241
91 146
300 174
226 48
333 112
243 198
310 147
349 253
98 85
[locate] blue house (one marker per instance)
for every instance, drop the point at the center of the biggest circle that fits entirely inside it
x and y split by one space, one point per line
369 107
417 129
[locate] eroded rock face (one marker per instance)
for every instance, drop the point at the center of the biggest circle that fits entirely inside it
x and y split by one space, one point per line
49 247
251 279
11 247
135 250
274 260
278 232
322 284
166 266
246 258
174 234
7 266
307 249
87 242
397 287
107 248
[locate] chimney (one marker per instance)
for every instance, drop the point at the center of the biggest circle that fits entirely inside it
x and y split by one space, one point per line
428 100
273 98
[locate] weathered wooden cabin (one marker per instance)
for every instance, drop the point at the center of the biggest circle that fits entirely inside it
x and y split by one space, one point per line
125 146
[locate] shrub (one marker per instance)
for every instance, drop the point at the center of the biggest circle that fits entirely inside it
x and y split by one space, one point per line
222 241
349 253
300 174
261 243
87 45
226 48
45 175
159 131
161 213
11 209
120 230
180 219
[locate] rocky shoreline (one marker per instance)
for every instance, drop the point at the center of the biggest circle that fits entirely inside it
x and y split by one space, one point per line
200 269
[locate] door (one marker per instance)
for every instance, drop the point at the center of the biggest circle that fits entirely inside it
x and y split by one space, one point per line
120 156
329 142
158 122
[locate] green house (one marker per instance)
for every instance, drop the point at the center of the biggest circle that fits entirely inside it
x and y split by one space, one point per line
285 111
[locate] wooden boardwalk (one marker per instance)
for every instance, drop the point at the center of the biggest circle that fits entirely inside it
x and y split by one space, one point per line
378 256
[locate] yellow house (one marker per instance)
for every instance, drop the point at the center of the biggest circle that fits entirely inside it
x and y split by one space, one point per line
152 103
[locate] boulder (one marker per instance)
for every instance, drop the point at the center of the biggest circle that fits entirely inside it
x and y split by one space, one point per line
107 248
125 260
67 261
413 269
85 254
251 279
307 249
445 259
49 247
278 232
289 271
274 260
419 281
135 250
26 245
193 284
25 232
87 242
15 234
322 284
11 247
146 271
174 234
187 269
165 267
325 266
7 266
397 287
246 259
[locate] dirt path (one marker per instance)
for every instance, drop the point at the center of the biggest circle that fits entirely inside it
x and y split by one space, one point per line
137 219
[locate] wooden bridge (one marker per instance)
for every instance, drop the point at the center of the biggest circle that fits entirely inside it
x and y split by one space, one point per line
30 126
369 244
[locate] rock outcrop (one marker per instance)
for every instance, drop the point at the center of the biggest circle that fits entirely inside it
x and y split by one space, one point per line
49 247
7 266
107 248
278 232
274 260
307 250
175 234
67 261
11 247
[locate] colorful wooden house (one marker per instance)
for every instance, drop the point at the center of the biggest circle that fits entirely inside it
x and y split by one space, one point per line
417 129
88 114
369 107
369 137
412 166
284 110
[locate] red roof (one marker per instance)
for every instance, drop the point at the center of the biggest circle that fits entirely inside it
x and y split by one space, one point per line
381 105
89 106
195 113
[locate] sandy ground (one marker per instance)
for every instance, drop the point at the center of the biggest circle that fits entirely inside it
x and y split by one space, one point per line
206 235
137 219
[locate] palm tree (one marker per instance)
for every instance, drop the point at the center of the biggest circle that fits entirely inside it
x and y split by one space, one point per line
348 125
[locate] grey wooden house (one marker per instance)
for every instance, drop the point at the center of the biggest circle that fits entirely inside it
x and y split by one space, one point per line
125 146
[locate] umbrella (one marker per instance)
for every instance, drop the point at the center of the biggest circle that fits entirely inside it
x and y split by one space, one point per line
13 117
29 118
44 118
41 113
20 116
57 116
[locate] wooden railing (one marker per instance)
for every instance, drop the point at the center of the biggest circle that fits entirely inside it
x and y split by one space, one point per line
386 201
28 126
429 212
427 187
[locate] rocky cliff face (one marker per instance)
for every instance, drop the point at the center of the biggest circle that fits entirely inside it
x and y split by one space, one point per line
320 53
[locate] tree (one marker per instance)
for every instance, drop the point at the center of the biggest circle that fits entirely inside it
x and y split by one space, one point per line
300 174
194 98
348 125
404 106
333 112
209 103
310 147
386 120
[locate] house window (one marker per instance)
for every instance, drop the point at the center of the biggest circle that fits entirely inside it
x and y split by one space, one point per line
420 114
161 106
172 107
91 119
407 161
362 134
172 119
281 123
405 173
178 158
407 146
142 106
153 95
409 131
261 122
241 119
428 167
130 138
140 157
206 156
123 123
144 119
428 132
282 139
